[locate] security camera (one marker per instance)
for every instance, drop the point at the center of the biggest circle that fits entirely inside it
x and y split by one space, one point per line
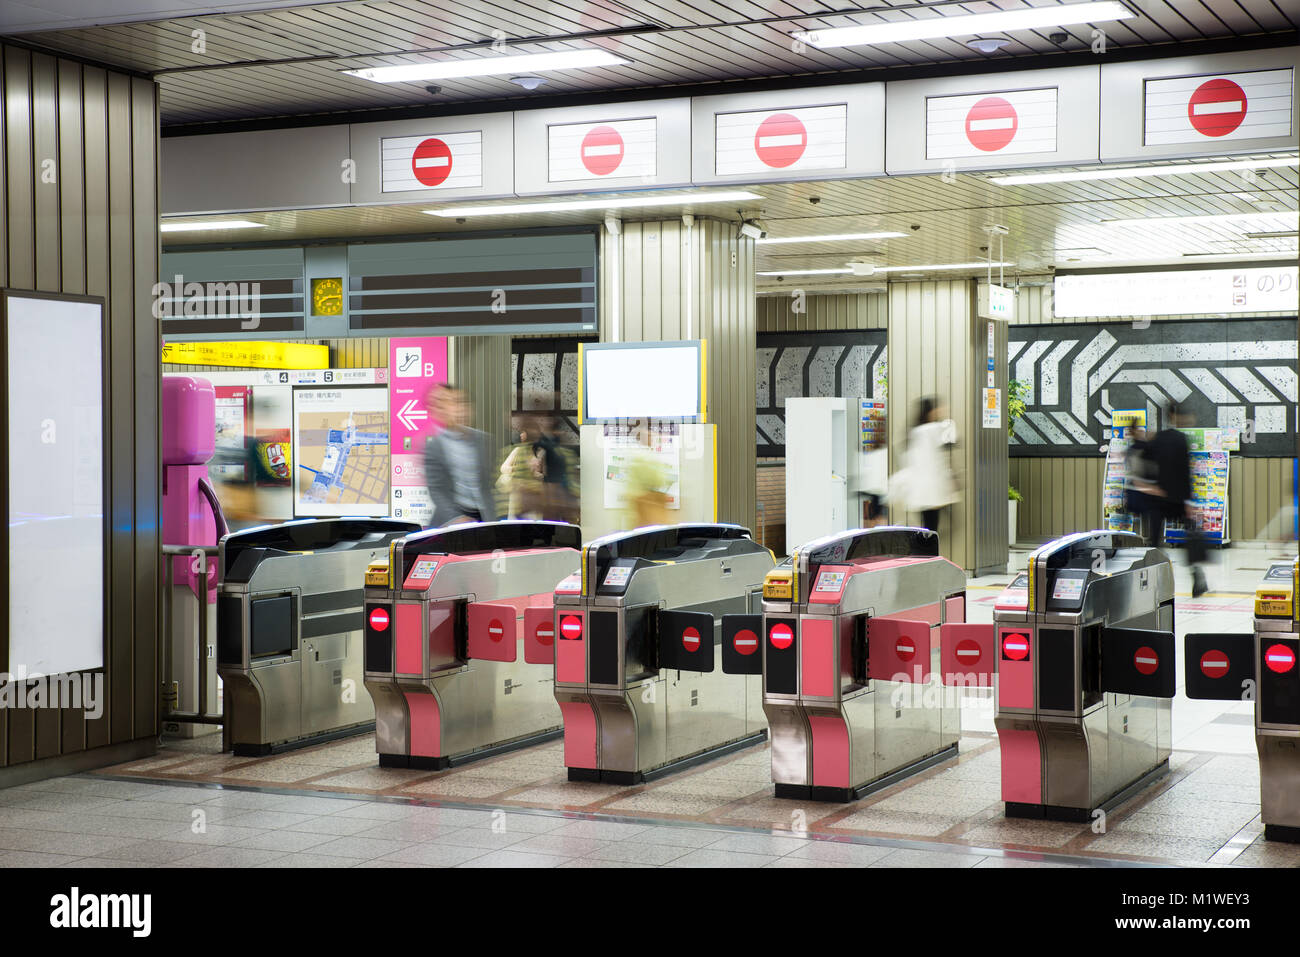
751 229
433 89
915 227
1058 37
814 200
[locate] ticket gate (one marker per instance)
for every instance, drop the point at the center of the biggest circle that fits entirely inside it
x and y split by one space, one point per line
855 628
1085 674
445 618
289 620
636 635
1262 666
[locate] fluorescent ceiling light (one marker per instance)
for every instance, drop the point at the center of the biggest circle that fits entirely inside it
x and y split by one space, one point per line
1124 172
829 238
827 272
632 202
211 224
1226 218
806 272
928 28
491 65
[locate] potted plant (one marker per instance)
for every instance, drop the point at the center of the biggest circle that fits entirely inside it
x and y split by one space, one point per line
1016 406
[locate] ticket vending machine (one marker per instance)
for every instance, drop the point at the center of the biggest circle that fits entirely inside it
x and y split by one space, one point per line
637 631
1262 666
1085 674
856 630
446 615
289 630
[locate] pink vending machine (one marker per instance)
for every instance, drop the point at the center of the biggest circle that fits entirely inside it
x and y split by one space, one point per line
191 519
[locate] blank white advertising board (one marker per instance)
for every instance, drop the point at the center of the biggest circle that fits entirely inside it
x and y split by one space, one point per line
642 381
55 397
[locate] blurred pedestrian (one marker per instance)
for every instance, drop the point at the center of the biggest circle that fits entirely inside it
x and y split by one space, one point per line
560 500
458 462
873 480
926 483
521 474
1168 499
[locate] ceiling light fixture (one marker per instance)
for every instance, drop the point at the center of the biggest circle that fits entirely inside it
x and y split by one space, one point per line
210 224
520 66
631 202
806 272
529 83
850 269
936 27
830 238
987 44
1126 172
1225 218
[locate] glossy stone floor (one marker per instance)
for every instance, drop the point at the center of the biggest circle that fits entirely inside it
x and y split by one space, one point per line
332 805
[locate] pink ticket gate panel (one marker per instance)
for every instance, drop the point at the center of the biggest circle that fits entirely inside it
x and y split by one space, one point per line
444 667
847 647
1263 666
1086 669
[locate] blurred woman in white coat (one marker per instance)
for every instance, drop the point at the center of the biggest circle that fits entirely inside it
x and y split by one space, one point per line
926 482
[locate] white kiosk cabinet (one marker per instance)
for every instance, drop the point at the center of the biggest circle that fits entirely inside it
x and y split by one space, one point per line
822 454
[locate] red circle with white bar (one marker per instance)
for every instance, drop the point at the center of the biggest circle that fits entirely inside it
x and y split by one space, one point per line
691 639
745 642
967 651
1217 107
544 633
1145 660
905 648
991 124
602 150
431 162
1279 658
571 627
378 619
1015 646
781 636
495 631
780 140
1214 664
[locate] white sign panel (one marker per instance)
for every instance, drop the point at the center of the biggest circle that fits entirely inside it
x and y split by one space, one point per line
1175 293
979 124
341 453
1218 107
594 151
764 141
435 161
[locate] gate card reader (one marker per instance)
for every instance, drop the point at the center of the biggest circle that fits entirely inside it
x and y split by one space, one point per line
635 651
444 623
854 627
289 623
1262 665
1085 674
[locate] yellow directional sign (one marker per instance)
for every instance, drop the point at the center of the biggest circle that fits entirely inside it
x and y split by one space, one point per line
248 355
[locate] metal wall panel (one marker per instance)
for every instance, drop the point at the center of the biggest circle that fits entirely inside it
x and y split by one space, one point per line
86 222
481 366
776 313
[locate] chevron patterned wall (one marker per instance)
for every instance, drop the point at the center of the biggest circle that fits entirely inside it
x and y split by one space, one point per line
810 364
1227 373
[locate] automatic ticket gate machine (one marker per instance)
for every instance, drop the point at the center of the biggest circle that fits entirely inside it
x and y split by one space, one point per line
445 618
1085 673
855 627
1262 666
289 622
636 631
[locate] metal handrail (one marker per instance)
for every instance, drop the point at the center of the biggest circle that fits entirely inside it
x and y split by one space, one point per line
167 700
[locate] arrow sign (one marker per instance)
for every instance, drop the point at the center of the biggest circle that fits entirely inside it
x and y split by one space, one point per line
410 415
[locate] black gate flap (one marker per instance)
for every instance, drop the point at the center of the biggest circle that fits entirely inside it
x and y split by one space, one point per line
1136 661
686 640
742 649
1217 667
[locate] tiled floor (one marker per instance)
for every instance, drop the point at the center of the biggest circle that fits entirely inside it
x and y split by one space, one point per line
331 805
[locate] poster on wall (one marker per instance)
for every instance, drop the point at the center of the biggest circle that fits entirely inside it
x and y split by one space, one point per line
630 464
1115 515
341 451
233 422
416 365
1209 501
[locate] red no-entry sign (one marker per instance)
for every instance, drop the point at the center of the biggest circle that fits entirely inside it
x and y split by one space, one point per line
991 124
1279 659
780 140
1015 647
544 633
745 642
691 639
495 631
1217 107
571 627
782 637
905 648
967 651
602 150
1145 660
431 162
1214 664
378 619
